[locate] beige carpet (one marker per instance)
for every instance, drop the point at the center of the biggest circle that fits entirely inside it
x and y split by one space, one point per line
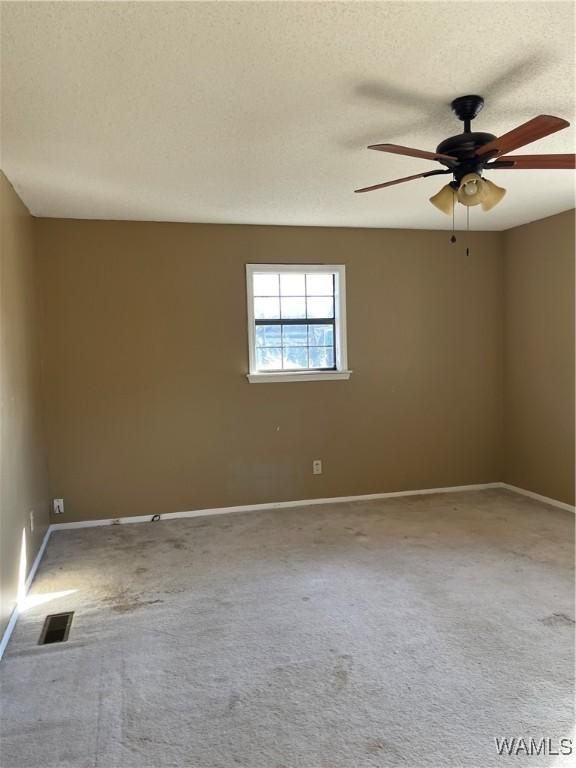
405 632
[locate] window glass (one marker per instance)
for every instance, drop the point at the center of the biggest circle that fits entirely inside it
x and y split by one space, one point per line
293 307
319 306
292 284
320 285
266 284
266 307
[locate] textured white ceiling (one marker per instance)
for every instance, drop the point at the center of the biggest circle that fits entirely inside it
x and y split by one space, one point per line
259 113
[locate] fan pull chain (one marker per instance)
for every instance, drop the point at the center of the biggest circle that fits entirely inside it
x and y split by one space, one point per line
453 238
468 229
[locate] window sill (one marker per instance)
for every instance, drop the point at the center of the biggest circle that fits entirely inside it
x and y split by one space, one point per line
269 378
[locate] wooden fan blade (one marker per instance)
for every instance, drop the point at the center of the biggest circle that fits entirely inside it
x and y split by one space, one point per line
535 161
396 149
400 181
534 129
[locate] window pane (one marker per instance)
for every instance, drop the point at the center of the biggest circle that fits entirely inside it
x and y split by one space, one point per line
266 308
320 307
294 335
321 335
268 336
321 357
319 285
266 284
268 358
293 309
295 357
292 284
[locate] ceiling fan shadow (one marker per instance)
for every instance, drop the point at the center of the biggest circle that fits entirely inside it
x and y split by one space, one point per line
385 92
517 74
434 110
362 140
508 79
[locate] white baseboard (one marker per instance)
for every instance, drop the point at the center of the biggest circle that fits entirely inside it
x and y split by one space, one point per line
258 508
271 505
27 584
538 497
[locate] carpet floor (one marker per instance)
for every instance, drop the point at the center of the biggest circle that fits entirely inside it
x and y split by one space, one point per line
402 632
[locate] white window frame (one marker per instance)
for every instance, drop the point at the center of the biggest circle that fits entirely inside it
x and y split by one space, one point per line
341 372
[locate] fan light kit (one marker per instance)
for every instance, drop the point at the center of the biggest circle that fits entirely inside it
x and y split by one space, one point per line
468 154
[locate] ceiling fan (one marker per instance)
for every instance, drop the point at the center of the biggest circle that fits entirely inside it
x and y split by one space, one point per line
468 154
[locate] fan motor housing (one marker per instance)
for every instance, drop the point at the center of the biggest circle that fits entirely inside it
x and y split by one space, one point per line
464 145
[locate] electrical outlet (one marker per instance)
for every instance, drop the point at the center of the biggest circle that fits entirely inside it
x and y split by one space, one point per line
317 467
58 506
31 521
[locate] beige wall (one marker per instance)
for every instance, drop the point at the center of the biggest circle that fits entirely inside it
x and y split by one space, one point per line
539 355
23 484
148 407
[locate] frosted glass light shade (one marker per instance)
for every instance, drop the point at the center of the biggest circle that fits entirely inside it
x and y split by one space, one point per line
444 200
494 194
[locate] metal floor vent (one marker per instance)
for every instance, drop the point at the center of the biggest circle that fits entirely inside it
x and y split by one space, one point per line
56 628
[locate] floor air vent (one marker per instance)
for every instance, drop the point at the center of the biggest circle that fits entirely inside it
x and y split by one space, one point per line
56 628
